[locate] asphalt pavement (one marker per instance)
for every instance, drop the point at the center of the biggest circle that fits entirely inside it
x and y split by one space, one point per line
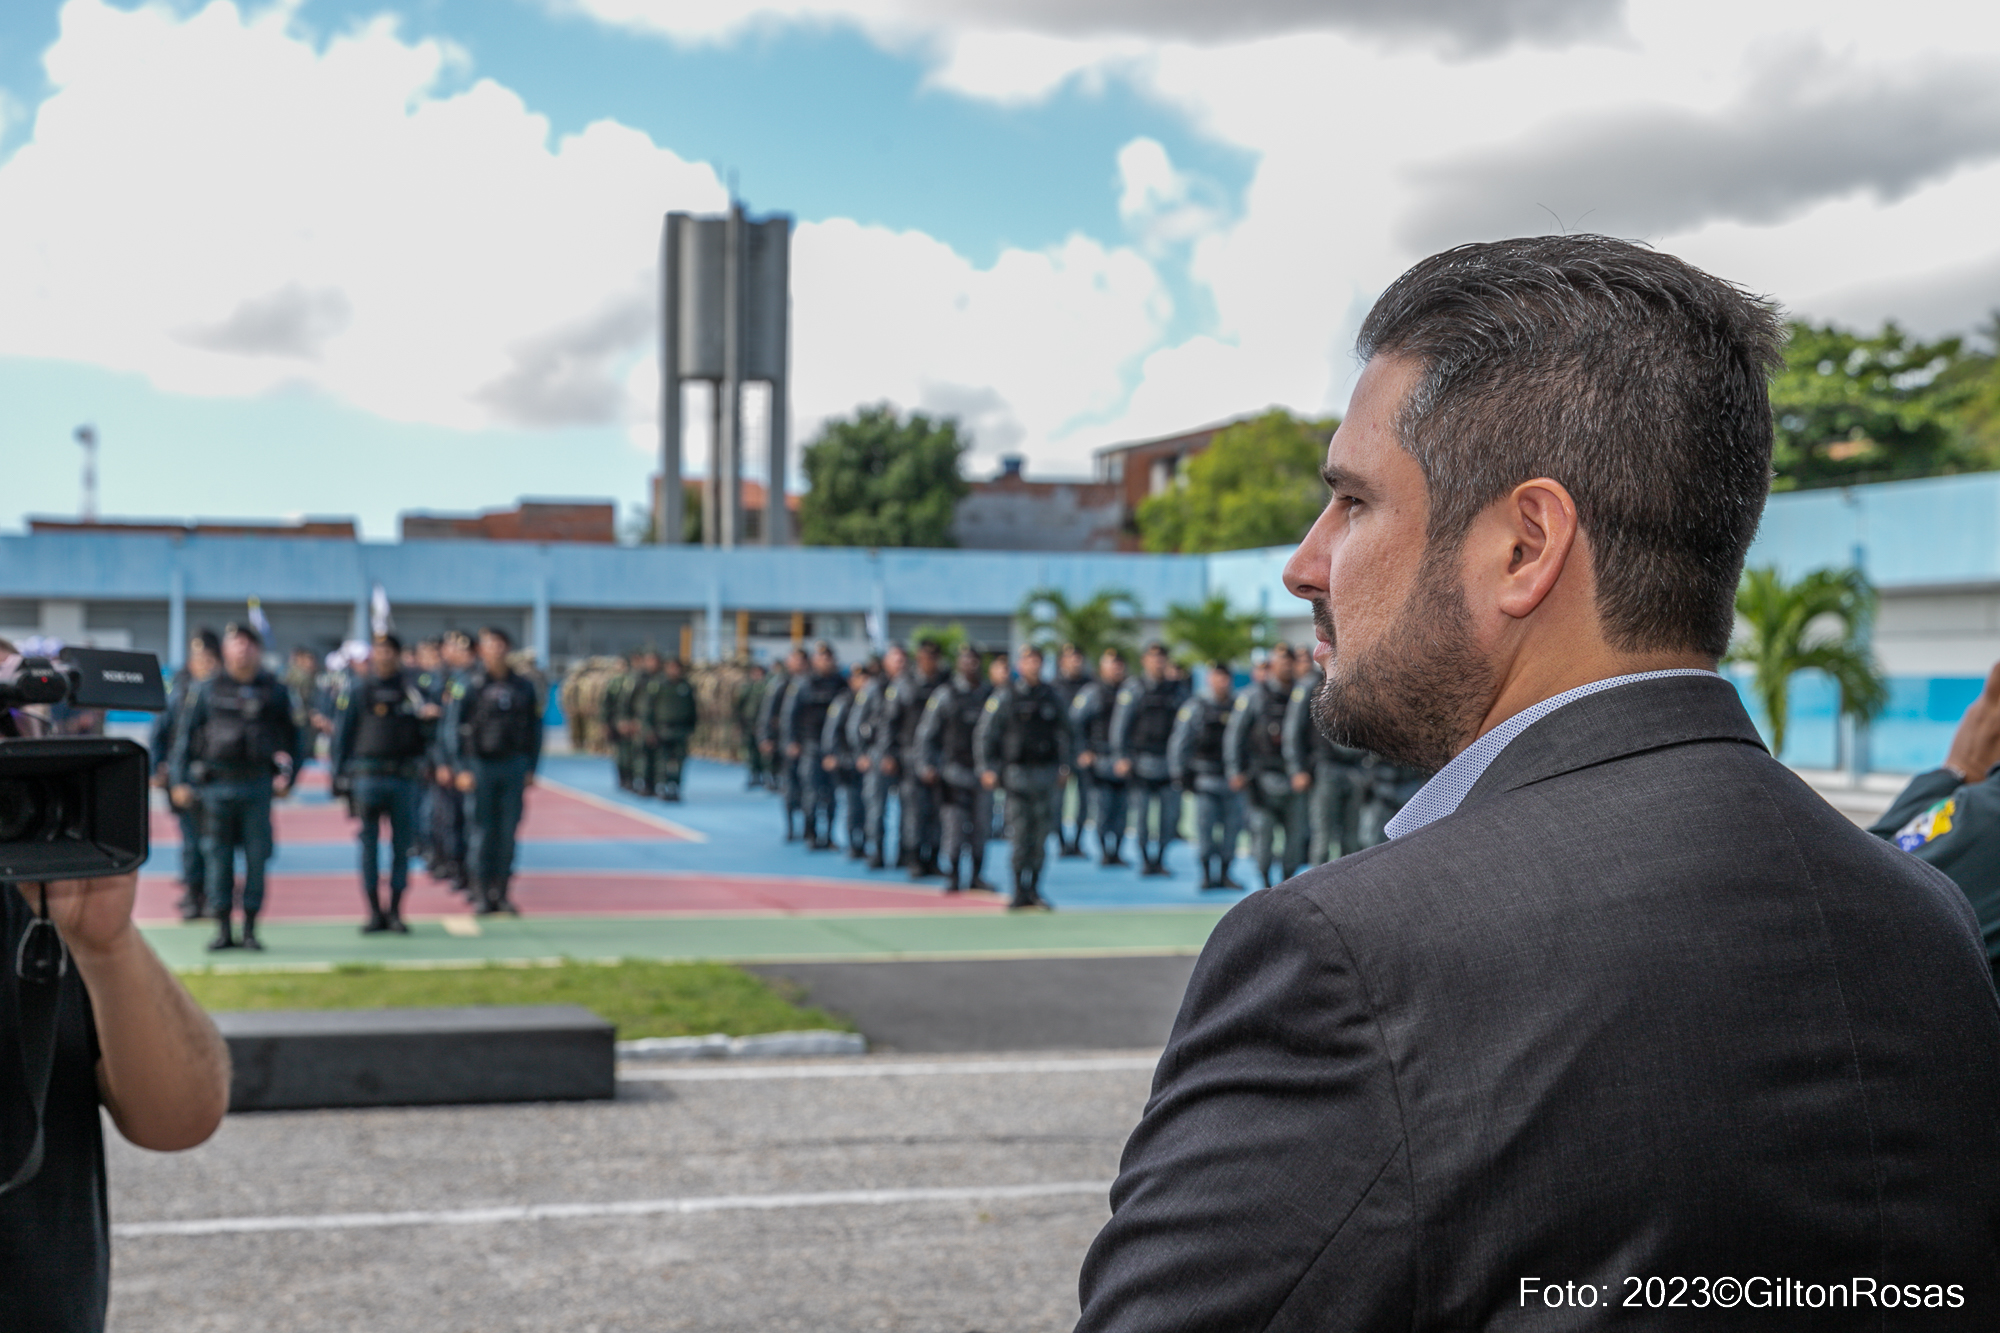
1029 1004
941 1194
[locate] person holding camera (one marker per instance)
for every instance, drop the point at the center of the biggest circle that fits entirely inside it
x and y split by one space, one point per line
380 736
89 1018
240 746
495 734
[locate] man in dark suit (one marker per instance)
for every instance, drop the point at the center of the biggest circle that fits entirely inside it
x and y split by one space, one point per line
1623 1026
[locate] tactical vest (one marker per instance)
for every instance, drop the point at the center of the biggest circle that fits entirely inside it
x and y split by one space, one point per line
237 734
961 709
386 721
1207 757
912 693
502 720
1266 741
1097 726
809 713
1152 723
1034 717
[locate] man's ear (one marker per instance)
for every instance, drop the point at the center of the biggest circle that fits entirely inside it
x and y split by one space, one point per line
1536 522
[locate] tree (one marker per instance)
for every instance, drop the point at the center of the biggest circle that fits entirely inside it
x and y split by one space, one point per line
1819 623
882 481
1108 619
1210 631
1852 408
1257 484
948 638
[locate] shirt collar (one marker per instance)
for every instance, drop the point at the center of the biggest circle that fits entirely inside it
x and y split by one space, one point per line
1451 784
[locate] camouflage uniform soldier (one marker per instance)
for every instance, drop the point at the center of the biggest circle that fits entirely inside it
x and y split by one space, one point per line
745 708
1023 744
610 708
633 749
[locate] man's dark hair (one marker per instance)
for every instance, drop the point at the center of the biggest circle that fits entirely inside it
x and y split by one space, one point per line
1156 647
1636 380
243 630
211 642
391 640
1113 652
498 633
1034 648
300 650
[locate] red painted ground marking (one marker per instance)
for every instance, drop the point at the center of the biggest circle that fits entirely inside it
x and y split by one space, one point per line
335 896
552 814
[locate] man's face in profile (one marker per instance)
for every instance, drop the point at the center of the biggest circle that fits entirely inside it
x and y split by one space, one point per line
1395 637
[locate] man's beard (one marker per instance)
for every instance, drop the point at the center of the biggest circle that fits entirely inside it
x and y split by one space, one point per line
1420 694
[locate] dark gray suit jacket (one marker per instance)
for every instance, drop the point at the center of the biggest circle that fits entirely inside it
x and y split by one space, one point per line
1644 1007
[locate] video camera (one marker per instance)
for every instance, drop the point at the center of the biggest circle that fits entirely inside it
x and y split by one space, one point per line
74 807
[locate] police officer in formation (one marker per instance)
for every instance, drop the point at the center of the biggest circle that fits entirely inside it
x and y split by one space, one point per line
1195 759
920 820
1254 755
494 733
204 659
637 757
807 704
1072 675
611 712
842 763
1025 746
382 732
743 710
1142 724
868 737
1099 784
447 826
667 716
771 729
946 744
237 746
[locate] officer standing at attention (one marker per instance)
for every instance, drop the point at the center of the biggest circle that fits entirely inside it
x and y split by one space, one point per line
1254 756
1072 674
447 803
1195 758
1141 725
804 727
920 821
611 711
1023 744
204 659
1330 776
950 765
380 737
837 759
240 746
1090 719
640 753
772 724
496 737
743 708
668 727
869 734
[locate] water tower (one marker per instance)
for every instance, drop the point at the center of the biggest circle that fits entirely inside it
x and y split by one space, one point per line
725 318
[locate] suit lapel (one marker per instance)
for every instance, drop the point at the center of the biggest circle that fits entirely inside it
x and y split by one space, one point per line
1613 723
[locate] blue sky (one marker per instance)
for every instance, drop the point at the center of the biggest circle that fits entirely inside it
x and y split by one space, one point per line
302 259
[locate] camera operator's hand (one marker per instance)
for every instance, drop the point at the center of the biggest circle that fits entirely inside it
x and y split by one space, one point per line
1976 746
163 1071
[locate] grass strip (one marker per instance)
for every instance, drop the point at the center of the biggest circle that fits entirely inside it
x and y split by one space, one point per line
643 998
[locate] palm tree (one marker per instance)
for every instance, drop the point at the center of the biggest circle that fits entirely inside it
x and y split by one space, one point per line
1210 632
1107 619
1819 623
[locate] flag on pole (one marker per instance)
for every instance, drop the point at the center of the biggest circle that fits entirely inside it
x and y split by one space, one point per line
380 620
258 621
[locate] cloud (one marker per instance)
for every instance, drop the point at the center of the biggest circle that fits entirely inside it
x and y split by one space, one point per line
291 321
570 376
1162 205
1467 26
1808 128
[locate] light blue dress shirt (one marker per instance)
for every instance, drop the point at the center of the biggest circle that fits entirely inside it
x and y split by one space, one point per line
1452 783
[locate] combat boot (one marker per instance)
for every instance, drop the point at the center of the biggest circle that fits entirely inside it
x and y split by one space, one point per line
225 938
250 940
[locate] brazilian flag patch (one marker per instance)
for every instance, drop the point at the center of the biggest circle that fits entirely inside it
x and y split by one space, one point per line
1931 824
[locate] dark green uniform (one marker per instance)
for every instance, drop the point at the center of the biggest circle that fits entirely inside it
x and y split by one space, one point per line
1954 825
611 708
667 719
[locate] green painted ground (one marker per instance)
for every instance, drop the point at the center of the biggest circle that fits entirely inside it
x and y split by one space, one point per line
720 939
